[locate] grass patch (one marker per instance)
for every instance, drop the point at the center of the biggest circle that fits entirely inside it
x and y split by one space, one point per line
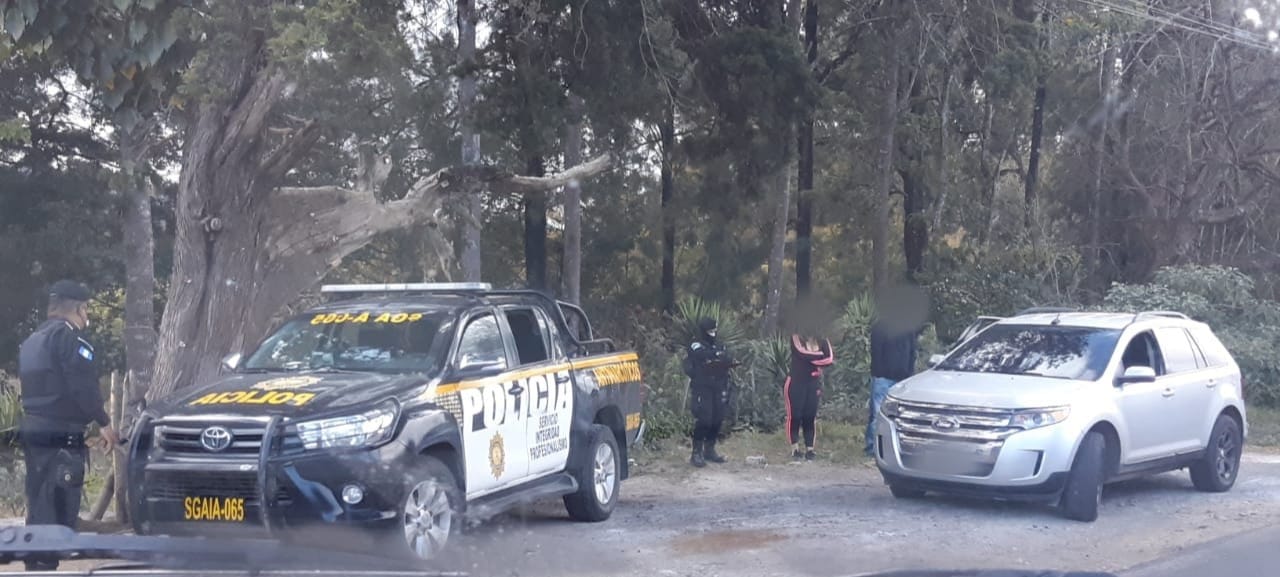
837 442
1264 427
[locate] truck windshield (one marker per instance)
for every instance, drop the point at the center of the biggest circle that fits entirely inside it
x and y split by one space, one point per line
1077 353
377 341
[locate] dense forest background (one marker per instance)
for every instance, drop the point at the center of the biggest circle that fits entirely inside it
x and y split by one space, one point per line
205 165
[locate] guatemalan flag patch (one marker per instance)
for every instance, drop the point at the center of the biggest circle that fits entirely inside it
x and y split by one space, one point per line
86 352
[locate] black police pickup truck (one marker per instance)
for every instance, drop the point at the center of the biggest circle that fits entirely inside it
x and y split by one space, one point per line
392 412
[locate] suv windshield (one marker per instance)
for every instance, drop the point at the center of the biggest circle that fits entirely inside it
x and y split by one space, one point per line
378 341
1078 353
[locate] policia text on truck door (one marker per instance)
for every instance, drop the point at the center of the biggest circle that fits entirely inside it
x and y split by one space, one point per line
395 408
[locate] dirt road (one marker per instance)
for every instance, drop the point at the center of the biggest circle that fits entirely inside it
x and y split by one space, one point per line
820 519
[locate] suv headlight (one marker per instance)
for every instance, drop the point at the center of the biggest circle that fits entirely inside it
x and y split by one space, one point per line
1034 418
363 429
889 407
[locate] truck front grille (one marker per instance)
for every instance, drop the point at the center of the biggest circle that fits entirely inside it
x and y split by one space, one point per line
179 484
184 438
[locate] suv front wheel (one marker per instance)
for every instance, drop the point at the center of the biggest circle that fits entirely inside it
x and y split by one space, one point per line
1083 493
1216 470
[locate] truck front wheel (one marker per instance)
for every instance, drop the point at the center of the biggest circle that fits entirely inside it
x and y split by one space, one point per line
429 513
598 479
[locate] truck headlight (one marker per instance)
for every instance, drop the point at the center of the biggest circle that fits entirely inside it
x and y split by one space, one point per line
889 407
363 429
1033 418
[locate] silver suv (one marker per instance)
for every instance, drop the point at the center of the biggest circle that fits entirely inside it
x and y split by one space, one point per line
1052 406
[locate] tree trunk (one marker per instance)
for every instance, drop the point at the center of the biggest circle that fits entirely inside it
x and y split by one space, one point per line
668 133
1031 200
246 247
777 252
884 184
535 230
140 276
473 206
804 194
1094 252
943 174
572 265
915 228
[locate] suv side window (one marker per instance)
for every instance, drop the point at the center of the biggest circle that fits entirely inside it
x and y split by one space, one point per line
1179 356
528 334
481 344
1215 355
1142 352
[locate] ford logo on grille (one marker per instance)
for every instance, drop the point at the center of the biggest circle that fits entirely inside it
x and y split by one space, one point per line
215 439
945 424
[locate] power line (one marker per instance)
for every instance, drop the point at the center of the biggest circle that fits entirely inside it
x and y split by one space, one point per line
1223 34
1209 23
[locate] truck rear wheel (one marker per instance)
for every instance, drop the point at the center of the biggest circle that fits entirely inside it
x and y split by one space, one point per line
429 513
598 479
1083 493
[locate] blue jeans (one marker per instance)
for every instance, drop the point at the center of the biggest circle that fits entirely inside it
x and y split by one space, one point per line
879 390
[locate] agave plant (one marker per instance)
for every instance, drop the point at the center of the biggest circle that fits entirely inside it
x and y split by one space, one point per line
690 310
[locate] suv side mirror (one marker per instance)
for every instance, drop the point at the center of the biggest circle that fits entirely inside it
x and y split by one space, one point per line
231 361
1137 374
936 360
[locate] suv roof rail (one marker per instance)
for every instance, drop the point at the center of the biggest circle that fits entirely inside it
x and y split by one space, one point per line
1167 314
1046 310
445 287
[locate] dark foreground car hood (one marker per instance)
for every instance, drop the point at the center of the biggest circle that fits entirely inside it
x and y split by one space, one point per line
987 573
289 394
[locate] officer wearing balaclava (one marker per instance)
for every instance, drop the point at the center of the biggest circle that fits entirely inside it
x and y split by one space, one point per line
707 365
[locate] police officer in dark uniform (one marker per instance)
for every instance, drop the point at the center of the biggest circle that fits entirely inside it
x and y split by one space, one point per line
707 365
60 398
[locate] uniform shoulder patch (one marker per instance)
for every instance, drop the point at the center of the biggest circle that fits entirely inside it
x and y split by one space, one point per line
85 352
695 346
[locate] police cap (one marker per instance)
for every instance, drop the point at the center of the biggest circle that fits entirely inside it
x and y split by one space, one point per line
70 290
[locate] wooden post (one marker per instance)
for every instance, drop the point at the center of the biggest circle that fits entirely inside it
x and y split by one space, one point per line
109 488
119 459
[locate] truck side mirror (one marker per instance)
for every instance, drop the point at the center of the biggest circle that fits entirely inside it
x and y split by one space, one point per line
1137 374
936 360
232 361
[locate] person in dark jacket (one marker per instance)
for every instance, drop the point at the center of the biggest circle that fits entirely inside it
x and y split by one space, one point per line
893 356
803 390
708 365
60 398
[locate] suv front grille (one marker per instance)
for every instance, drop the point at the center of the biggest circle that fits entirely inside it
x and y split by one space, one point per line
950 439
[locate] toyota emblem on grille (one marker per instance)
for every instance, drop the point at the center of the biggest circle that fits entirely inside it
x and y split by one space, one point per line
215 439
945 423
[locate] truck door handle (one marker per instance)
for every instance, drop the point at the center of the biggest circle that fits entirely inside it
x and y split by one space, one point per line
1167 392
516 389
562 378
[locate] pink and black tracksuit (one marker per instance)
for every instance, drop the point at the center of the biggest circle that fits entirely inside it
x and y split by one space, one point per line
804 387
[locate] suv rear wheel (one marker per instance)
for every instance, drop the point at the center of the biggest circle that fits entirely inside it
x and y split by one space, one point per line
429 514
1083 493
597 479
1216 471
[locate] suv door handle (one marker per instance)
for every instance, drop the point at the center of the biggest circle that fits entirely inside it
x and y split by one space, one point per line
1167 393
1211 384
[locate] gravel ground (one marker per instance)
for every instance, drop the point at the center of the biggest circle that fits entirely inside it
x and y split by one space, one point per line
820 519
823 519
